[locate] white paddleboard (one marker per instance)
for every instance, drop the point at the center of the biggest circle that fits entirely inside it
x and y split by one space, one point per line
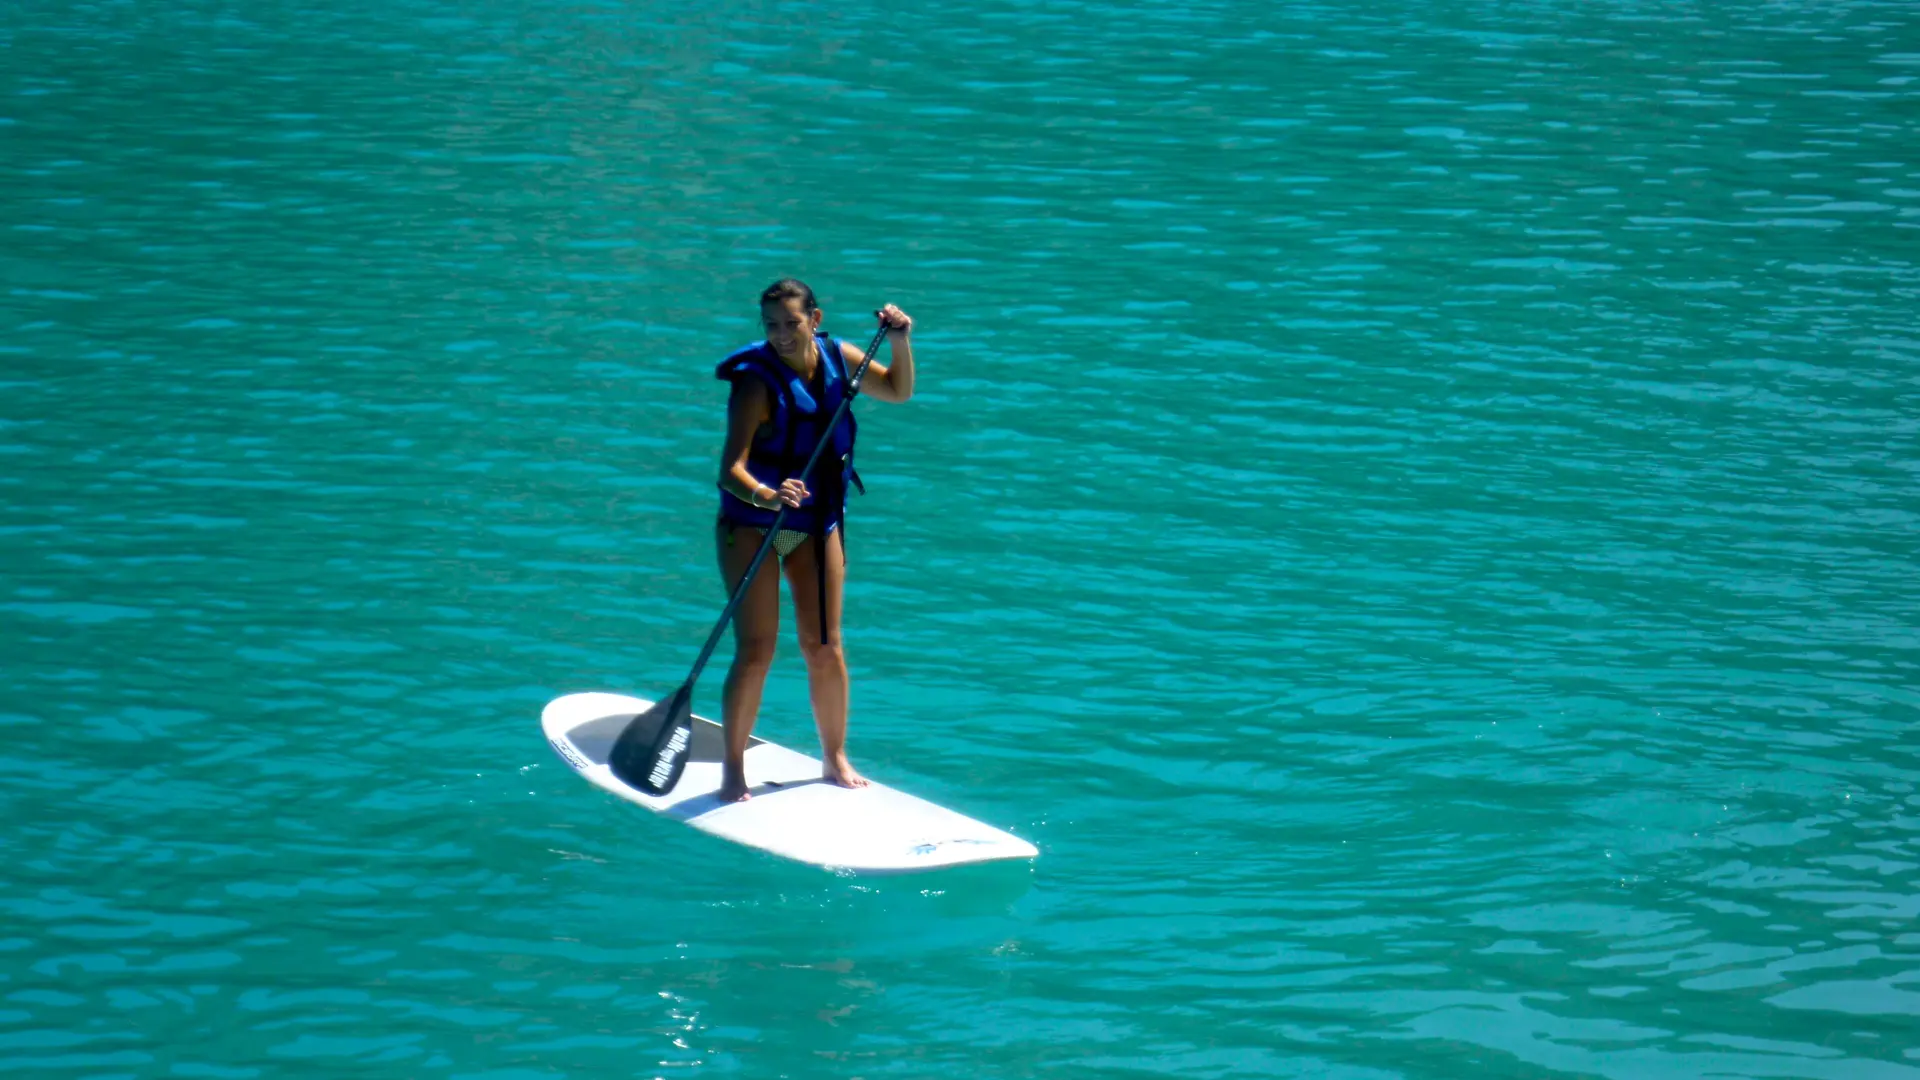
793 812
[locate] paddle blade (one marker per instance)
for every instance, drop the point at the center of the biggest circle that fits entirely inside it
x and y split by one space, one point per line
652 750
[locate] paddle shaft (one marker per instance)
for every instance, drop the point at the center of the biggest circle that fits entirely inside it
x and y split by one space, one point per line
766 542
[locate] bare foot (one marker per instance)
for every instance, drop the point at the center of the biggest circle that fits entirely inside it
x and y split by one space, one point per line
733 783
840 771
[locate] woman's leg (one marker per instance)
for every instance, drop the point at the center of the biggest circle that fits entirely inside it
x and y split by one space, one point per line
756 626
826 664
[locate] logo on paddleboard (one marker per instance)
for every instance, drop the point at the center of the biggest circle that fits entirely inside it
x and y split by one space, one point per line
935 845
568 754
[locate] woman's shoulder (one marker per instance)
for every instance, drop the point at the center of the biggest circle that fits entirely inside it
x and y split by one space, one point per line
746 360
747 353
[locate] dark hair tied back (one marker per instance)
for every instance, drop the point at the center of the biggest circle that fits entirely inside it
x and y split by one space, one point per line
789 289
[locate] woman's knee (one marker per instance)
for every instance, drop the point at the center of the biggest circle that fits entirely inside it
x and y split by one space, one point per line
818 653
754 651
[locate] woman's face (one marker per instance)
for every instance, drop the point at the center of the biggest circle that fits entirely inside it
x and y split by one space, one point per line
789 327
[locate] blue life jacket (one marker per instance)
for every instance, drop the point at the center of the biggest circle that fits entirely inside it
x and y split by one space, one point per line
781 448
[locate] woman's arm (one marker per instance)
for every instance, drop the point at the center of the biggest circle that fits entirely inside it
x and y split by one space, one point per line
747 408
887 382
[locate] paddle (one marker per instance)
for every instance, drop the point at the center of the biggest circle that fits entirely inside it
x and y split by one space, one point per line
651 752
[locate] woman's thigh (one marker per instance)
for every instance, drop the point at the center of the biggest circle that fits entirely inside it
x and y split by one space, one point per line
803 584
758 617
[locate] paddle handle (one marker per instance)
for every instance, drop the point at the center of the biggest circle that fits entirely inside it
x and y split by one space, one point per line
766 542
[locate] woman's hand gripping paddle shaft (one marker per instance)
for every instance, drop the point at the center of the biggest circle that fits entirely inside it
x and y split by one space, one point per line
652 749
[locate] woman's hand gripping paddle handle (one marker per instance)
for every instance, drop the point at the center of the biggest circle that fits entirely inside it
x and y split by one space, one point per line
652 749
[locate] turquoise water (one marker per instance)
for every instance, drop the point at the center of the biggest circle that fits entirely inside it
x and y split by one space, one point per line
1410 507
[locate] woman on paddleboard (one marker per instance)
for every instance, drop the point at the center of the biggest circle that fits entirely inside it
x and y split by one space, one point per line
785 391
